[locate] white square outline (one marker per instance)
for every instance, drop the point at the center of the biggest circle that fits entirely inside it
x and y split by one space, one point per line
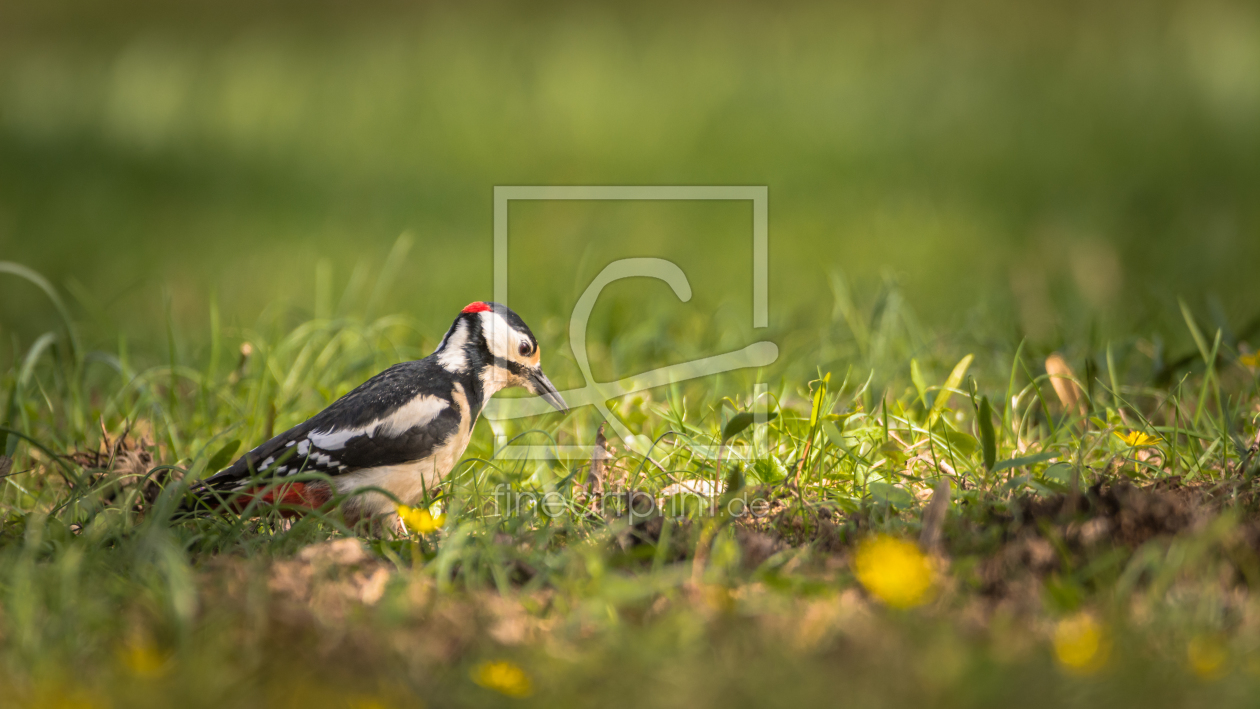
759 195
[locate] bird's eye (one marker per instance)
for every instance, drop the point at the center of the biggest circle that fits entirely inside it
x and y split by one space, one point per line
525 348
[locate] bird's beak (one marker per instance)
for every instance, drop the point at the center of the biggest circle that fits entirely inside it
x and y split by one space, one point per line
543 387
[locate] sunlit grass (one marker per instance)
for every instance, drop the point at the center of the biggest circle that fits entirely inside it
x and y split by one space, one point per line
1007 455
479 600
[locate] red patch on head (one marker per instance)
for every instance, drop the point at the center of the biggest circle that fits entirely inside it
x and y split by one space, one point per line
478 307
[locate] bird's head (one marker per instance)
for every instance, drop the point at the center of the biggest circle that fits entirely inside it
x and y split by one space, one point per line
492 343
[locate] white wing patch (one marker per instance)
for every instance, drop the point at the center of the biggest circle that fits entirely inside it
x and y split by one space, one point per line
451 352
417 412
333 440
409 481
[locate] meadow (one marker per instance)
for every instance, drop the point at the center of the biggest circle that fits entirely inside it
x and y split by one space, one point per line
1007 452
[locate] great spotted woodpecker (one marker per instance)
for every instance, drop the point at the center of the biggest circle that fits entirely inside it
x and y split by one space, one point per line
401 431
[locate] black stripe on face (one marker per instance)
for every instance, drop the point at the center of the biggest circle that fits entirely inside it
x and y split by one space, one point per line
509 365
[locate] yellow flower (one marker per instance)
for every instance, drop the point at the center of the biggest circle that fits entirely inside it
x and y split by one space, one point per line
1080 645
142 659
1251 361
504 678
1207 656
893 570
1137 439
418 519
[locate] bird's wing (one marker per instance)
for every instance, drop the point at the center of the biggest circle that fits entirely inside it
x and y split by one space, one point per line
401 415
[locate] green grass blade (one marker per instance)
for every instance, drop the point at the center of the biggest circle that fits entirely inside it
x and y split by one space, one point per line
947 389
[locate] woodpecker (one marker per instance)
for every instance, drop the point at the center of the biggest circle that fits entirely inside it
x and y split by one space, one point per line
401 431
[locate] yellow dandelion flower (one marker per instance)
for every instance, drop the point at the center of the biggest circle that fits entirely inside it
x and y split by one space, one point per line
1137 439
142 659
1080 645
893 570
1207 656
419 520
1251 361
504 678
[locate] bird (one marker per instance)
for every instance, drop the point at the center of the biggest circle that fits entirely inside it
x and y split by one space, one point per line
402 431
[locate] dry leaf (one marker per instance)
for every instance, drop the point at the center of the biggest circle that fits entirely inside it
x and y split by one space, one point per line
1063 379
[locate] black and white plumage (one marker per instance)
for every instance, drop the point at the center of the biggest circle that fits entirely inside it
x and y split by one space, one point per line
403 430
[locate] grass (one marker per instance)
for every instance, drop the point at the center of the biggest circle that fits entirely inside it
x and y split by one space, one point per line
1008 250
1065 535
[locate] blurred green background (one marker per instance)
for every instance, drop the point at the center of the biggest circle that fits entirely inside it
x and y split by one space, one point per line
1061 165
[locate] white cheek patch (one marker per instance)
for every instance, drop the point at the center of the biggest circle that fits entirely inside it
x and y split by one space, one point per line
417 412
502 340
451 352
